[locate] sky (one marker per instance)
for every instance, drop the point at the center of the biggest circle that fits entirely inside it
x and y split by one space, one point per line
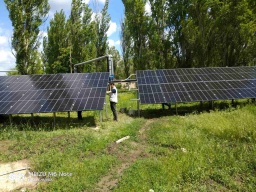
7 60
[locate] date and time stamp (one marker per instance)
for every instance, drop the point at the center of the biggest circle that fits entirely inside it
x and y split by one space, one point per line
38 176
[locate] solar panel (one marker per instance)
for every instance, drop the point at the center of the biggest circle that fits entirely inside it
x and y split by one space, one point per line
52 93
149 89
196 84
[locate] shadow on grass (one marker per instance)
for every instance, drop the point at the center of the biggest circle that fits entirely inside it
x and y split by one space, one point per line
45 123
192 108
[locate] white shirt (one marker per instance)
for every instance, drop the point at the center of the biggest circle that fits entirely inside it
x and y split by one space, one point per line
113 95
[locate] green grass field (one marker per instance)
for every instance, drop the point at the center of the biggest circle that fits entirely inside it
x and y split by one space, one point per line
194 151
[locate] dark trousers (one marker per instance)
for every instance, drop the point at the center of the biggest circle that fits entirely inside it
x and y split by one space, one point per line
113 108
79 115
167 104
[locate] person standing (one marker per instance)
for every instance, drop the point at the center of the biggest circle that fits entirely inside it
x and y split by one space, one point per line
113 99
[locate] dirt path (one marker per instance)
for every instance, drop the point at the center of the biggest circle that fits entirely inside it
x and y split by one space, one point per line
126 156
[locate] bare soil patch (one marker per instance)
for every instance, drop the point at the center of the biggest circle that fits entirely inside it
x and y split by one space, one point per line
15 176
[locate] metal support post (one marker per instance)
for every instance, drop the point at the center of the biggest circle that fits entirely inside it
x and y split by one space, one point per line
138 103
138 107
32 118
211 105
68 117
232 102
11 119
101 116
106 108
54 119
176 109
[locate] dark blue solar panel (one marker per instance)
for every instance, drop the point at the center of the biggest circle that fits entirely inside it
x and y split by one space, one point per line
197 84
52 93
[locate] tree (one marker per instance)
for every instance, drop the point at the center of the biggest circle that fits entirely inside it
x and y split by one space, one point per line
70 41
26 17
236 27
56 50
102 26
89 38
126 47
75 27
156 32
191 33
137 22
82 34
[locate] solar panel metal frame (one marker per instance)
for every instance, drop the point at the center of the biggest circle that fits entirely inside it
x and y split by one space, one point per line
199 84
24 94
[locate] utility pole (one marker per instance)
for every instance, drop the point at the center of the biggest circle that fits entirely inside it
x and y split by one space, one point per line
70 61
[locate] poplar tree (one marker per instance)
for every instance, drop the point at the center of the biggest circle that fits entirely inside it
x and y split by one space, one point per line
56 50
26 17
70 41
126 47
102 26
191 33
137 23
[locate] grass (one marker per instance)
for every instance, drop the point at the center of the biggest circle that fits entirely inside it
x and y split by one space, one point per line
195 151
219 154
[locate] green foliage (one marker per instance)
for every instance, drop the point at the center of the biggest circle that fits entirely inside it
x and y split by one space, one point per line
126 47
190 33
136 21
208 152
77 39
26 17
102 26
56 45
82 35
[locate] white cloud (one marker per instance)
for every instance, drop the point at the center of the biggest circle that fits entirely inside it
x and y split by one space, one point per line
7 60
148 8
6 57
86 1
94 15
57 5
3 40
118 42
112 28
102 1
112 43
41 35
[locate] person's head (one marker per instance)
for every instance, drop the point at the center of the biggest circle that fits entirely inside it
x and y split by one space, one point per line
112 84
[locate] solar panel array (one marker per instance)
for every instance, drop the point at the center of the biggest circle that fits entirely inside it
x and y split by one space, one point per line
196 84
52 93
